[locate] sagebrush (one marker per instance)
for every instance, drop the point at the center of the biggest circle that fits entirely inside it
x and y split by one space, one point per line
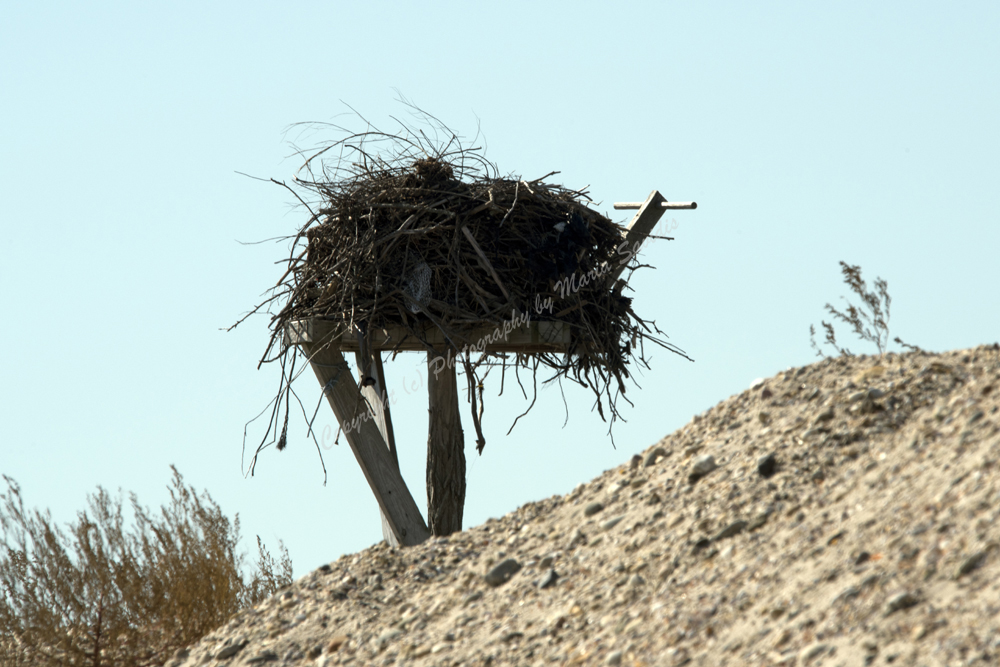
870 321
101 594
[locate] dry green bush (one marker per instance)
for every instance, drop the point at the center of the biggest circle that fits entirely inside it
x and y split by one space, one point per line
870 322
101 595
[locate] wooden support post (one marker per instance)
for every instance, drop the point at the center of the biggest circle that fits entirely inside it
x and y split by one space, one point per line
445 450
377 463
372 381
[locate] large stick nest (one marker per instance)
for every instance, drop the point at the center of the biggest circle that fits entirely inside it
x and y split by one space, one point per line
416 235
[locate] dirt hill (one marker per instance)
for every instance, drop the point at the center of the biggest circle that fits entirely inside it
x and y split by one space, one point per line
843 513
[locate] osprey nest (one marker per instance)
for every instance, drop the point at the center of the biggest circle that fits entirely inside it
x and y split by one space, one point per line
439 239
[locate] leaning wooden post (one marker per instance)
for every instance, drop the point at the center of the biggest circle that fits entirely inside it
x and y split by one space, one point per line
394 499
445 448
372 380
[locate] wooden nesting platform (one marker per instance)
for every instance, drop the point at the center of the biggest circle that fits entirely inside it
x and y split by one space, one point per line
363 412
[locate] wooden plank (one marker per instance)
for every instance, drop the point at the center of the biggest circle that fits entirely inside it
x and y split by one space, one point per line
530 337
637 231
370 449
372 381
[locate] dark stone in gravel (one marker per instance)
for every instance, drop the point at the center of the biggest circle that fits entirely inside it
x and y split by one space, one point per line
592 509
903 600
702 466
653 456
836 538
231 650
502 572
266 656
701 544
824 416
735 528
970 564
811 651
549 579
611 523
767 465
758 521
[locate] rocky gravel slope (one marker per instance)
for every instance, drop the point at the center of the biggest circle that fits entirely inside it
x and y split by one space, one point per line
843 513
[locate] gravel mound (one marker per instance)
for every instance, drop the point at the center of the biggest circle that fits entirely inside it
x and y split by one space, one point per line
843 513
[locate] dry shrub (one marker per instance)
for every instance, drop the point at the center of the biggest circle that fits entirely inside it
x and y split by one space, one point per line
101 594
870 322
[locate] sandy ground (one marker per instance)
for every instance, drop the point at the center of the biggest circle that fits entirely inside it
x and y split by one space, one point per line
843 513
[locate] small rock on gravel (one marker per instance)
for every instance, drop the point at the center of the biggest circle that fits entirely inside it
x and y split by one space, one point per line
549 579
824 416
593 508
702 544
812 651
387 637
611 523
231 650
970 564
266 656
735 528
655 455
758 521
703 465
903 600
614 658
500 574
767 465
336 642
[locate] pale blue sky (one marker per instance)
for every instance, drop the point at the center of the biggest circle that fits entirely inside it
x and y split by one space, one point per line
808 133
